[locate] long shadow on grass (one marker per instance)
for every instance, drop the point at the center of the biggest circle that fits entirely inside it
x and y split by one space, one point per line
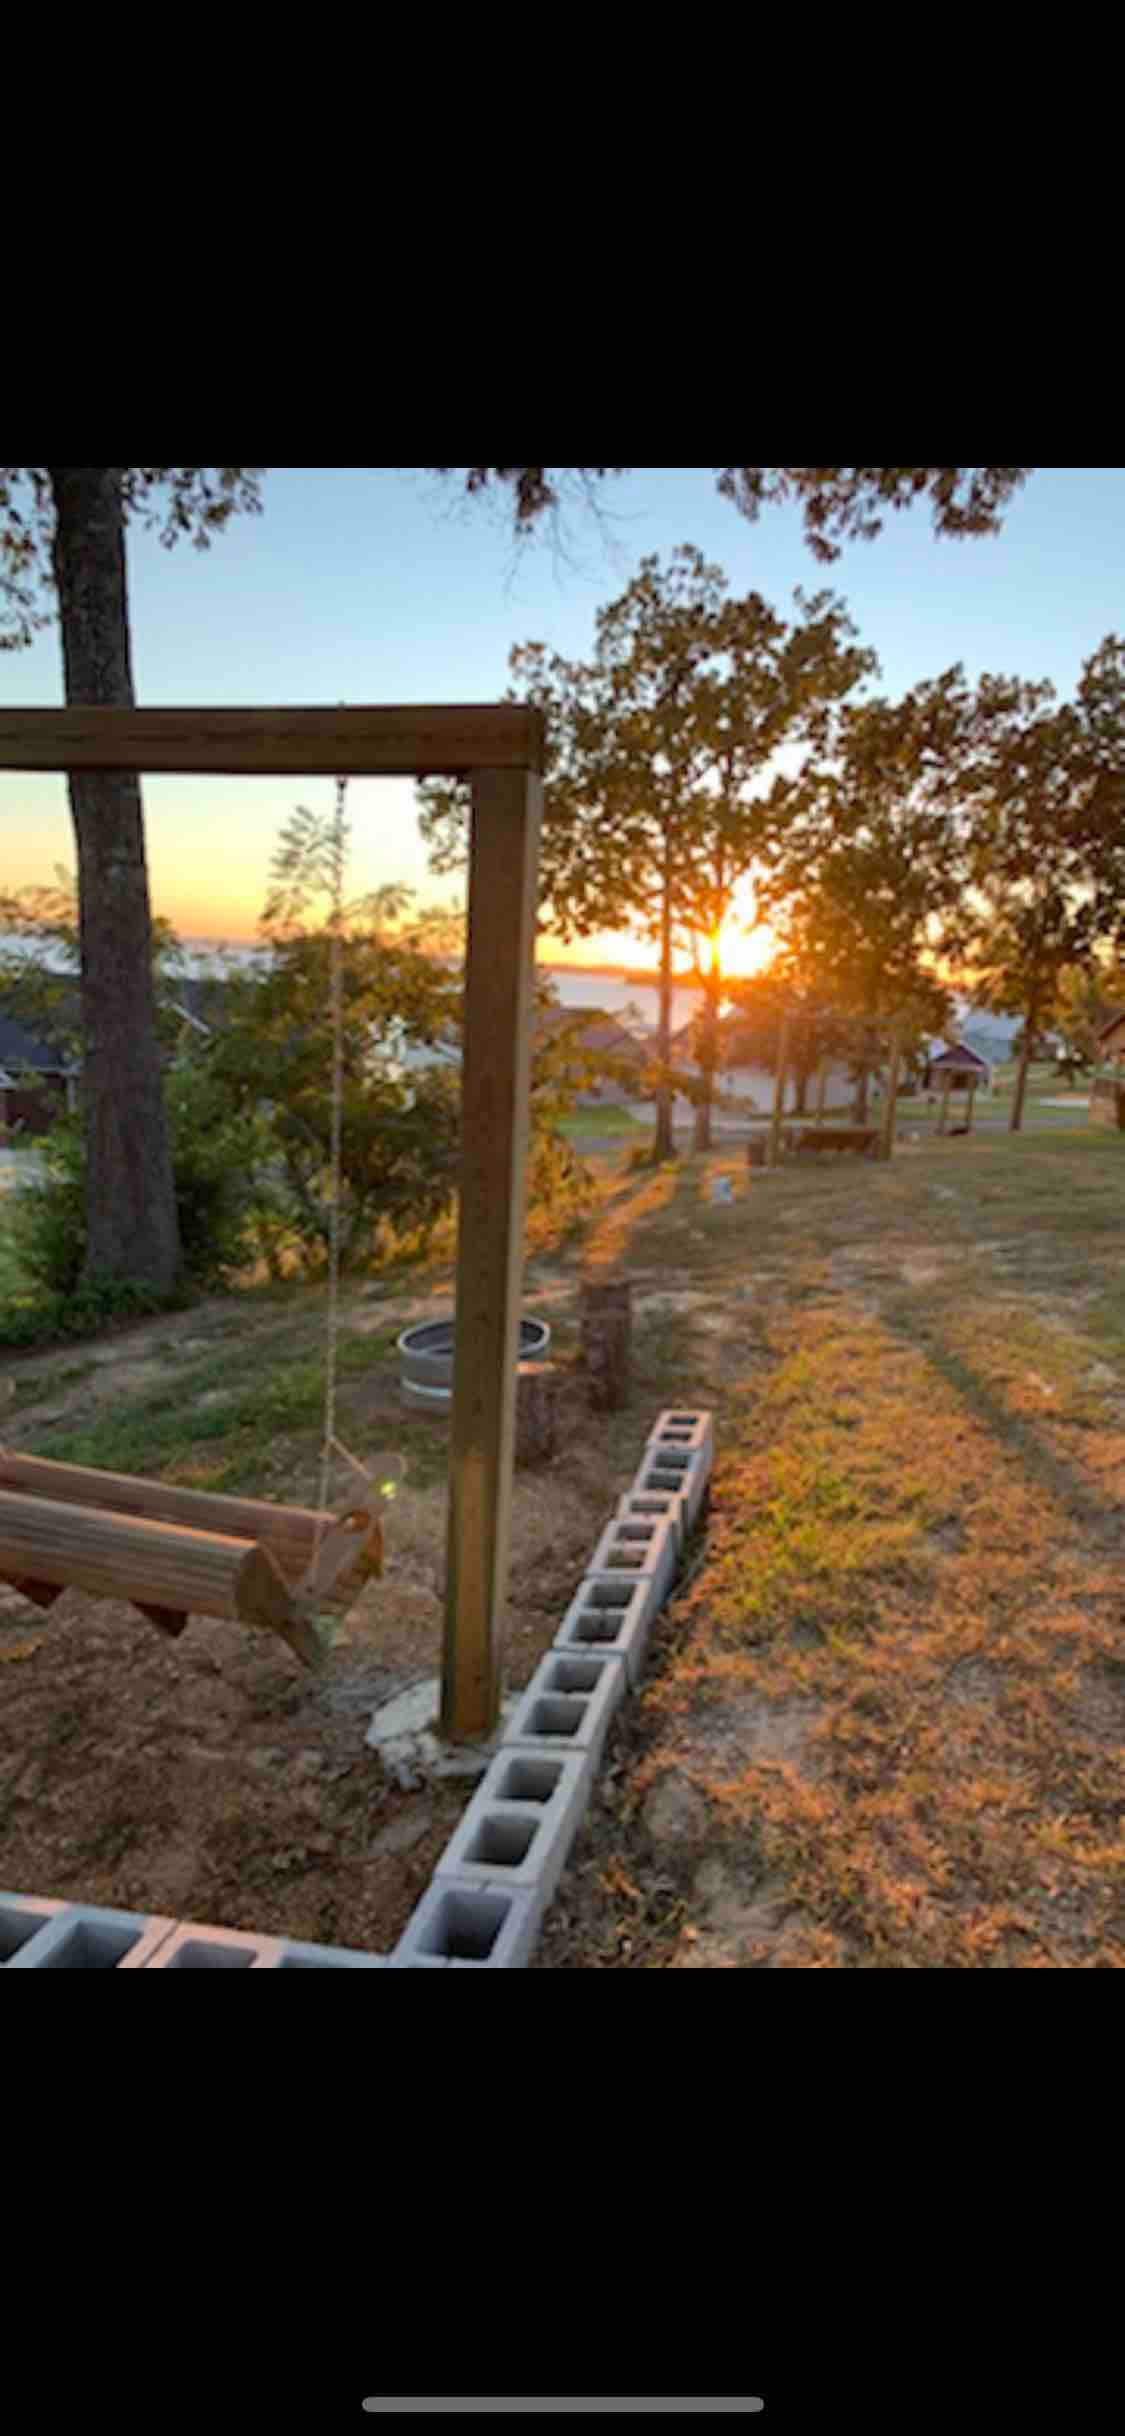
1044 1468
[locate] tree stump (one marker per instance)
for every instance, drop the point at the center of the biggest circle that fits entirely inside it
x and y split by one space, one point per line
607 1329
537 1412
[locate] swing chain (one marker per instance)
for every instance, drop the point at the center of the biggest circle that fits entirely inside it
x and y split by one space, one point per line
333 1319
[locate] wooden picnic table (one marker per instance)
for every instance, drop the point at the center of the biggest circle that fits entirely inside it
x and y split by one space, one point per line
862 1138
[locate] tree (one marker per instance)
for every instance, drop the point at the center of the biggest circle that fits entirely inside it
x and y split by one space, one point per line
655 747
817 1031
1046 845
402 999
873 863
872 866
276 1050
621 768
768 686
1088 994
64 527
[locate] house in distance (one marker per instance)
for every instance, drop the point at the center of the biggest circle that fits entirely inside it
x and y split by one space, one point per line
35 1080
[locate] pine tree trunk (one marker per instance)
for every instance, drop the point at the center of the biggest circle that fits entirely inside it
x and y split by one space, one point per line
708 1052
1016 1118
132 1229
662 1141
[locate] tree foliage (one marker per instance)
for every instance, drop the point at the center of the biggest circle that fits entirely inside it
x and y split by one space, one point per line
192 502
1044 845
1087 996
656 804
39 966
839 503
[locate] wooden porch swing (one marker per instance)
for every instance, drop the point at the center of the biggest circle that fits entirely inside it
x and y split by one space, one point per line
175 1552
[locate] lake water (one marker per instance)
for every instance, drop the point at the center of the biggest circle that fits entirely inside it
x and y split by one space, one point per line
616 997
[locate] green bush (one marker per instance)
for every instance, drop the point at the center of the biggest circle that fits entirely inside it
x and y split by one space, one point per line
559 1183
216 1157
47 1218
216 1154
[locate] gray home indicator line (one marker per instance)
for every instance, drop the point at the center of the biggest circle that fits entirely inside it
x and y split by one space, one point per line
565 2402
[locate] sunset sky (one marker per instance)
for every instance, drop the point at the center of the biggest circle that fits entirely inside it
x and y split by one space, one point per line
377 585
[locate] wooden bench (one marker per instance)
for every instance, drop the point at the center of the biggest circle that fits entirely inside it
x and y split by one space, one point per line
861 1138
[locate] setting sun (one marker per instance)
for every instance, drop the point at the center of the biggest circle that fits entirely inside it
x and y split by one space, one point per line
743 952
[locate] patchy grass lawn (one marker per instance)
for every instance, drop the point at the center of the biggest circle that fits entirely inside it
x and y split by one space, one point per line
885 1720
601 1124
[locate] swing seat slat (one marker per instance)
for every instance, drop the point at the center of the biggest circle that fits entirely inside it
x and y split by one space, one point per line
289 1532
171 1569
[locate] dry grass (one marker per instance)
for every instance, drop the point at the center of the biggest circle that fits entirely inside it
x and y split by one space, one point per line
886 1719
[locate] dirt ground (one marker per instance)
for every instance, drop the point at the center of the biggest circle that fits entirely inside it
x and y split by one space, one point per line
212 1776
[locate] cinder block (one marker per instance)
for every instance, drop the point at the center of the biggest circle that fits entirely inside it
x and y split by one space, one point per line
23 1921
687 1425
82 1937
657 1505
612 1615
667 1465
297 1957
521 1822
642 1548
478 1928
192 1947
588 1685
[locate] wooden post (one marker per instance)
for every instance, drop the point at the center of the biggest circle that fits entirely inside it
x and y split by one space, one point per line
773 1151
887 1141
943 1113
495 1082
969 1110
537 1412
607 1320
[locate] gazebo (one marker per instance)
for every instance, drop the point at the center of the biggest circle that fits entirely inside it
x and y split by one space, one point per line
956 1067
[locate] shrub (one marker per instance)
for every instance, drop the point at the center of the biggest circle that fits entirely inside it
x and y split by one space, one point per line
215 1156
48 1216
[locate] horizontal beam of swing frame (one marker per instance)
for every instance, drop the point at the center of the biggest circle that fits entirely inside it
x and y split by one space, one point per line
451 741
500 747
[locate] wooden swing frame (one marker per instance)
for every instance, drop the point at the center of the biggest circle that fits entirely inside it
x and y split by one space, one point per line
172 1551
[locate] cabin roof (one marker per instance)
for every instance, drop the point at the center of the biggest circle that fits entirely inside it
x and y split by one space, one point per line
19 1047
956 1057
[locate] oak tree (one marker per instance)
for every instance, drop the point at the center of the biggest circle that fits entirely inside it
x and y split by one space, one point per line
1045 846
